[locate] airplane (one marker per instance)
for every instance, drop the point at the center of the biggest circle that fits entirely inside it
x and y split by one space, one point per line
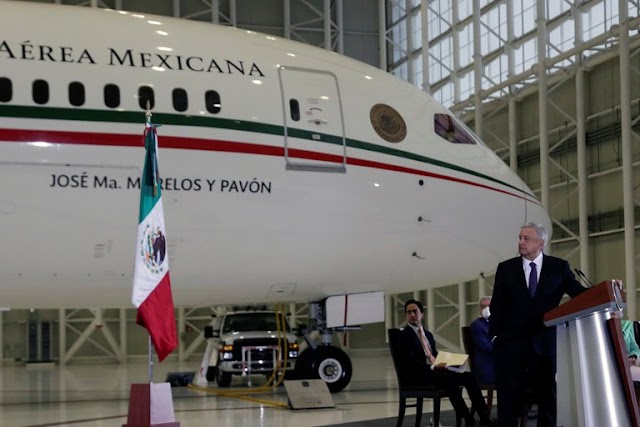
290 173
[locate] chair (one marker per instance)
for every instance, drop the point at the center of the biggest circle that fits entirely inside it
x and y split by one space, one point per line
419 393
467 341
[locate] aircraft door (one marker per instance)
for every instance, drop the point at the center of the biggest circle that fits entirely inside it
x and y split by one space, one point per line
314 136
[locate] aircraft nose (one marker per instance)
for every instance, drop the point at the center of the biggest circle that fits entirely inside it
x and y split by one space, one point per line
536 213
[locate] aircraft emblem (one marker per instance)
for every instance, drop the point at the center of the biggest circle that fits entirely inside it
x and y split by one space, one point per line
388 123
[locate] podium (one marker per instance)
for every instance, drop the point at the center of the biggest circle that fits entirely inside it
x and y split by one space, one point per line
594 385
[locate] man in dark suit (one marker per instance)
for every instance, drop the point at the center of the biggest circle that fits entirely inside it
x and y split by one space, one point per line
417 357
484 362
525 288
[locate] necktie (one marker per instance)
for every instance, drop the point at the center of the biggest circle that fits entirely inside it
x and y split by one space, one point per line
425 345
533 279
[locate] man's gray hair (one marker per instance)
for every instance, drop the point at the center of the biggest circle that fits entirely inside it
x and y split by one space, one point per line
484 298
541 231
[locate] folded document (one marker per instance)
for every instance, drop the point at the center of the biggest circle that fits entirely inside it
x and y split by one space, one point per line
456 362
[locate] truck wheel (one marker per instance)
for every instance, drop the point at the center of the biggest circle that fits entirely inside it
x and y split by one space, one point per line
328 363
211 373
223 378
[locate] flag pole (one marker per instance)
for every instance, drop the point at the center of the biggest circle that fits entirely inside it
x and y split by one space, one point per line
148 115
150 360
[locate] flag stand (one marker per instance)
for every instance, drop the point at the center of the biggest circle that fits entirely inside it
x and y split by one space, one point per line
151 404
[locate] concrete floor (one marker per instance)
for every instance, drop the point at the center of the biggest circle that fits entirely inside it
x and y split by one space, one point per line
98 396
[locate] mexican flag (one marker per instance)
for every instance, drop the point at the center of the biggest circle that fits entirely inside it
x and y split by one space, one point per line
151 283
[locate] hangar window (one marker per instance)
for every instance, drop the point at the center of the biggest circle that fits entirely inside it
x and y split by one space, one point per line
212 101
40 91
76 94
453 130
145 95
180 99
111 95
294 107
6 90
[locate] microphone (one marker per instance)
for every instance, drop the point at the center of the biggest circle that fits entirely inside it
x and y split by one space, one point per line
584 278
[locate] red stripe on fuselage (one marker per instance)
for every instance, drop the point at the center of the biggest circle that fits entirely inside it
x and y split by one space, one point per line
127 140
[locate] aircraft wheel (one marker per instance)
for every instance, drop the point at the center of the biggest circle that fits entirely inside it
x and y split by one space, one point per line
304 363
329 363
223 378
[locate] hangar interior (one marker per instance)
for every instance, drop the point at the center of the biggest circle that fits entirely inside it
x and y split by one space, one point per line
558 98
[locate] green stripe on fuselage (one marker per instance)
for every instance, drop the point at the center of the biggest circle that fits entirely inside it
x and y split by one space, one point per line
232 124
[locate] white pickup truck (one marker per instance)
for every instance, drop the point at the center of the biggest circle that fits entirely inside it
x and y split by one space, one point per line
246 343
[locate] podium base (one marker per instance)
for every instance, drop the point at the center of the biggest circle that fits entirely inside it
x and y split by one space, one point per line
151 405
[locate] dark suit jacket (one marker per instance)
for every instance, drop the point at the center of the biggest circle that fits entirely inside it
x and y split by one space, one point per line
484 363
413 361
517 318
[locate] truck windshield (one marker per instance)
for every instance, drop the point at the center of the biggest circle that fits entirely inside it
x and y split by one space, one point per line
251 322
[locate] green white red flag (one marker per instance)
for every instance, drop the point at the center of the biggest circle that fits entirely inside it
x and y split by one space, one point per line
151 283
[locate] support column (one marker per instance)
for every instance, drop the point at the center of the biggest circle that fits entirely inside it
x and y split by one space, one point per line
431 315
543 108
327 24
1 338
123 331
411 72
482 286
287 18
181 333
581 138
627 161
462 309
455 39
513 121
388 315
293 318
478 70
426 84
382 34
215 11
233 13
340 23
62 335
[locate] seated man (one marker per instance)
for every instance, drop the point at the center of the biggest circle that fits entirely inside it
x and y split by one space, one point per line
633 351
418 353
484 365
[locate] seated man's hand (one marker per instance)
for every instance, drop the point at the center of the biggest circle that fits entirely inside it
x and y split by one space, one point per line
441 366
632 360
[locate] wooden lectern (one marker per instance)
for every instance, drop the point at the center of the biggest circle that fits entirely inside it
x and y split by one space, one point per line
594 381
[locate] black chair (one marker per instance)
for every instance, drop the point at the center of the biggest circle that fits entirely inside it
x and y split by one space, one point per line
467 341
409 391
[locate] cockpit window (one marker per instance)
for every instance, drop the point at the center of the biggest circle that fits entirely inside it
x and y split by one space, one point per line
452 130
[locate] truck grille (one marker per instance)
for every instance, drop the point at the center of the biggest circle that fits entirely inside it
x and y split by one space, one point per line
256 354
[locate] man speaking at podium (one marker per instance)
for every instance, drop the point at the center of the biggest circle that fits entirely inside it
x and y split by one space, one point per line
525 288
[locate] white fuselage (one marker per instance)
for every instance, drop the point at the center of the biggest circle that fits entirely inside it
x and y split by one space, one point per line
253 212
